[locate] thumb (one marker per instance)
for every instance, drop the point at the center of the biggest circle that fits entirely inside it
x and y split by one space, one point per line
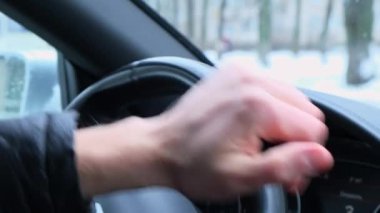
289 162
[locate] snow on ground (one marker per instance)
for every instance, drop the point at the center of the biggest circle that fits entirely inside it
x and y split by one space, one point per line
309 69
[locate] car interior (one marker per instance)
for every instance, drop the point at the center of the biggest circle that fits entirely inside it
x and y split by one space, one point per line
119 58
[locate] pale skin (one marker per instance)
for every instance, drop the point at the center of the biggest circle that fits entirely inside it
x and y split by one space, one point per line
208 146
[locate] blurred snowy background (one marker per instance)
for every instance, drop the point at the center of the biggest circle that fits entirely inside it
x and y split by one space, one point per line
326 45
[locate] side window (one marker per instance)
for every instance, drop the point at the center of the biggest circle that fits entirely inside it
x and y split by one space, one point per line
28 72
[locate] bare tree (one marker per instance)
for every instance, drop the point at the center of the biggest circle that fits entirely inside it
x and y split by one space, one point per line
326 23
190 19
204 22
221 26
151 3
175 7
159 6
359 26
265 29
297 27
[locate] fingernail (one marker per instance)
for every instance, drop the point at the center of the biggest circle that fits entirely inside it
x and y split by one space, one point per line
309 165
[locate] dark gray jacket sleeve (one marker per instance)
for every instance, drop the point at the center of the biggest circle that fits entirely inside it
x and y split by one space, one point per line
37 165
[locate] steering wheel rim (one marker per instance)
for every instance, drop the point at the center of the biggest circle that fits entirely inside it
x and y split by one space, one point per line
272 198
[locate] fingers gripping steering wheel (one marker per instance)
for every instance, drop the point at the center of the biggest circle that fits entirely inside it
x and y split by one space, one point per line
177 74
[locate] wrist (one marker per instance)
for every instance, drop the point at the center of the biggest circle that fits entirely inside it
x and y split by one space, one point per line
127 154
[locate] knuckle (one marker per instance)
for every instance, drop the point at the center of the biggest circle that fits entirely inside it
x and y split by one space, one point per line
253 98
246 77
256 102
249 103
316 131
321 132
319 114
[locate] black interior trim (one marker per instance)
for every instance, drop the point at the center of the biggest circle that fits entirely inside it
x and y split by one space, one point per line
171 30
130 33
67 80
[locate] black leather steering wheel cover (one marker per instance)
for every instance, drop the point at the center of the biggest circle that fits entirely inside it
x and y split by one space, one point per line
272 197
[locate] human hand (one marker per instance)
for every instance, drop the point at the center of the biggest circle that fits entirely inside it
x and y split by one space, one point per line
216 132
208 146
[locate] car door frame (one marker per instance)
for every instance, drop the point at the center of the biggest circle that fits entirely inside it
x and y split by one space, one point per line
95 39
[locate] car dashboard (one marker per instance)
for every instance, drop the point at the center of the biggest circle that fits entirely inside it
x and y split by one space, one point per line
353 184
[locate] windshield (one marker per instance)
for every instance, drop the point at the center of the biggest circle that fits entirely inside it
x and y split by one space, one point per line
331 46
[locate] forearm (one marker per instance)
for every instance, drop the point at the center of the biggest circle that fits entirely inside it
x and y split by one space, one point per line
123 155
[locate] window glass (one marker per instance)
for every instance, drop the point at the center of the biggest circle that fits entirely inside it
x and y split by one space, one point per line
326 45
28 72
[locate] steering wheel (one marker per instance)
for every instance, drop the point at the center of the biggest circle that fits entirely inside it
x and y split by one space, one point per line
175 74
